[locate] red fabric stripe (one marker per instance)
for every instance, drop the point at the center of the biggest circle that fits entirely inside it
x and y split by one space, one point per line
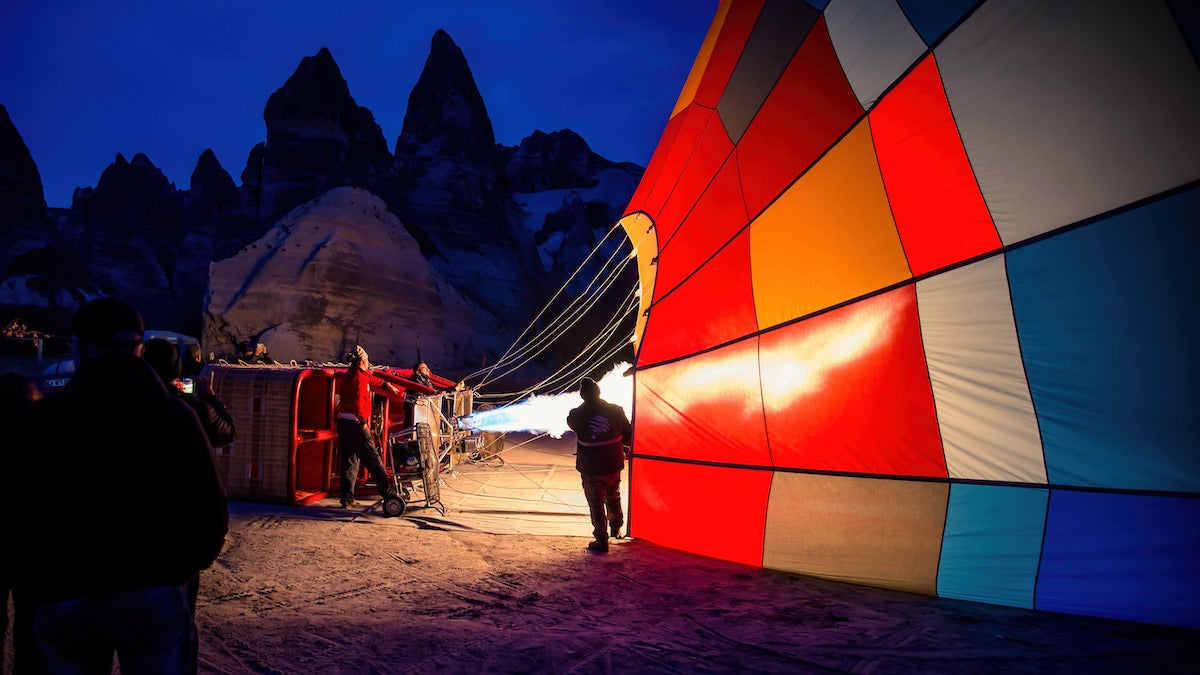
939 211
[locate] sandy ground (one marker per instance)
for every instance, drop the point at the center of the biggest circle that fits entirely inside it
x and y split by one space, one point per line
502 583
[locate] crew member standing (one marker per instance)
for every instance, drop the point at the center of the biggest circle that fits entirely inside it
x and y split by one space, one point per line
353 427
603 433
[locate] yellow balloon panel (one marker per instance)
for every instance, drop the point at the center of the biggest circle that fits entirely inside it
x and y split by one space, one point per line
829 238
640 230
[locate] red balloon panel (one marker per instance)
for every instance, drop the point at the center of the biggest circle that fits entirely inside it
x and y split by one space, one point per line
718 215
707 408
695 120
709 153
849 391
939 210
734 32
715 306
658 160
713 511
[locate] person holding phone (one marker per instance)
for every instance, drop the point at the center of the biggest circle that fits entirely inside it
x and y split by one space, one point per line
196 391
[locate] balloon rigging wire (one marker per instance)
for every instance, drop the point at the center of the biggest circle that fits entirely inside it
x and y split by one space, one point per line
567 318
549 302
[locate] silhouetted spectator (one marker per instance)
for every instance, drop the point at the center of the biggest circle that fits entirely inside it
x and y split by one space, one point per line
17 392
218 424
193 361
107 567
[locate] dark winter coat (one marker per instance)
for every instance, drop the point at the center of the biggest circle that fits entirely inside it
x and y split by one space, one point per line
214 418
115 486
603 431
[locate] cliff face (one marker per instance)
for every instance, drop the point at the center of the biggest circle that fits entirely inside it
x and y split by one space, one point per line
489 231
338 271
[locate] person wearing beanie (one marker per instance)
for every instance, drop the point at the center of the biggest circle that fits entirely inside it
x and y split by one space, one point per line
110 576
353 419
603 434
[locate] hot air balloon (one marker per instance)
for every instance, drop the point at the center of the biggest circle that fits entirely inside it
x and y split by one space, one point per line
919 296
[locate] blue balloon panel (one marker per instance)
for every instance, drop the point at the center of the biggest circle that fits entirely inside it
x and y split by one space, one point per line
1122 556
992 544
1107 321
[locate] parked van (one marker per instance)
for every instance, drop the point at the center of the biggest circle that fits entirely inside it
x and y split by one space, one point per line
57 374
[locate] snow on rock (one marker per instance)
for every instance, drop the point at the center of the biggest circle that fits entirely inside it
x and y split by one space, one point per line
613 188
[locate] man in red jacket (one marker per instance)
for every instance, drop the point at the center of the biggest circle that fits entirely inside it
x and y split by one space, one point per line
353 427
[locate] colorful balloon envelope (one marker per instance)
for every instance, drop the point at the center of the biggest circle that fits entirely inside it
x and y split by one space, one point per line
919 301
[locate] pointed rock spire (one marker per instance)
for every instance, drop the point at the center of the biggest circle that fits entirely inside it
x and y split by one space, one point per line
446 115
318 137
21 194
209 178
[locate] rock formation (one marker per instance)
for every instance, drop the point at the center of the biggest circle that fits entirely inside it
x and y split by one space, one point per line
469 238
451 190
338 271
130 231
20 183
317 138
23 214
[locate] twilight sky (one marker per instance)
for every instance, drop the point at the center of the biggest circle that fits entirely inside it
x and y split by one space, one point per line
85 80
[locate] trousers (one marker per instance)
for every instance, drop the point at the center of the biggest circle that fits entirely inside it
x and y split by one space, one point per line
150 630
357 447
603 494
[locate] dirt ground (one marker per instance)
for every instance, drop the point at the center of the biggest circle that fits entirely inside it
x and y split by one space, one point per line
500 581
299 592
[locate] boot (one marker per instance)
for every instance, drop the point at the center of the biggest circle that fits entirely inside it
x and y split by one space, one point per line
598 546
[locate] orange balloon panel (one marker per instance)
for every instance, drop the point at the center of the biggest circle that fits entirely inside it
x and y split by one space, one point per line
885 533
938 208
828 239
719 214
689 507
705 408
849 391
811 106
715 306
688 95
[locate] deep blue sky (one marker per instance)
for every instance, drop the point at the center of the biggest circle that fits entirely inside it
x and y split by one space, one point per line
84 80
